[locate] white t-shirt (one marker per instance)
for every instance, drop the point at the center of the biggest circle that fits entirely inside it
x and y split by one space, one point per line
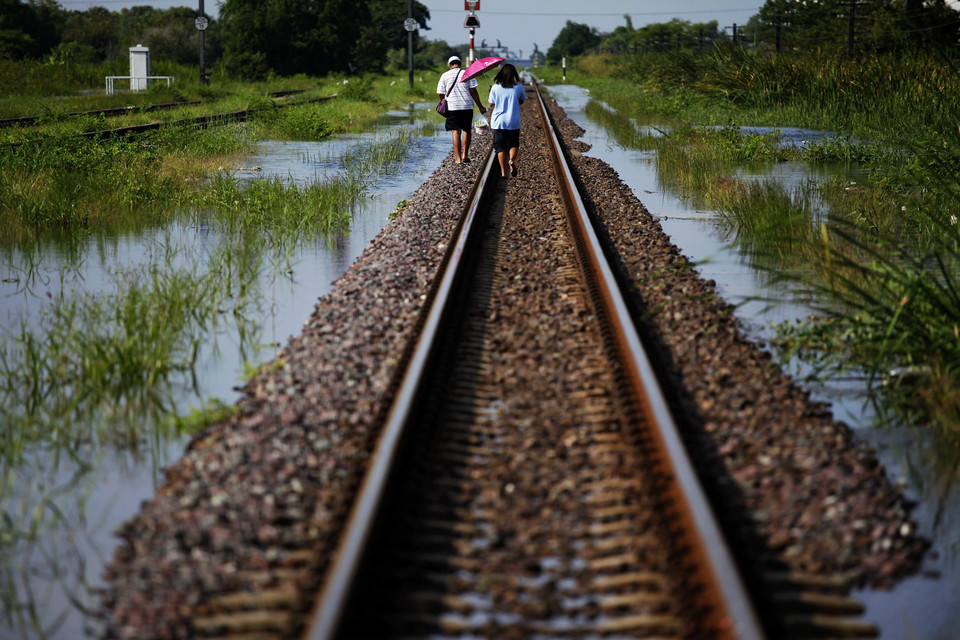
459 98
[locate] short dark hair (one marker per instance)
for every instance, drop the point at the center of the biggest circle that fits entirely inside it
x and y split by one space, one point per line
507 76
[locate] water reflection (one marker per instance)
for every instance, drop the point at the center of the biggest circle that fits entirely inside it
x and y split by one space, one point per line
64 488
924 606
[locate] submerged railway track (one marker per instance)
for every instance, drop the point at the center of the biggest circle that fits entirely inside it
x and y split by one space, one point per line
525 479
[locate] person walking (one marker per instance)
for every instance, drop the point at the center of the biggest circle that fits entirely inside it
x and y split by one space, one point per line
460 98
506 96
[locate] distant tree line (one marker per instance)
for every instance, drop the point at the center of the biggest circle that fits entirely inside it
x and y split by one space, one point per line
857 25
865 25
250 38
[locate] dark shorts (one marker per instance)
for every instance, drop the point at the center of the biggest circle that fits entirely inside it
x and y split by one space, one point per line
505 139
460 120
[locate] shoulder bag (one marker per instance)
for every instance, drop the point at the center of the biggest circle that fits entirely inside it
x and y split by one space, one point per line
442 106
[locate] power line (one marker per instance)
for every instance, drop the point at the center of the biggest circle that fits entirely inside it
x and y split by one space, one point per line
619 13
97 3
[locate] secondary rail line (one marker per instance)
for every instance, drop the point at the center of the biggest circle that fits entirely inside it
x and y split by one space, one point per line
133 131
27 121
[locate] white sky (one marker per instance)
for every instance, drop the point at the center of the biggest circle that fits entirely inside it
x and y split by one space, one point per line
521 23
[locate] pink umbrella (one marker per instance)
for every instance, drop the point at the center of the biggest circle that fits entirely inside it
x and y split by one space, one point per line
479 66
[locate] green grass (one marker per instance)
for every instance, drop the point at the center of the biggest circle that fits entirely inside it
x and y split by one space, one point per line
67 183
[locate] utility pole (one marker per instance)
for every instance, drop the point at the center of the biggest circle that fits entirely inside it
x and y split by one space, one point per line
409 41
201 24
734 27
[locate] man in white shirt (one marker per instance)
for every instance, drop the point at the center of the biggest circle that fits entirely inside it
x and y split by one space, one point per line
460 98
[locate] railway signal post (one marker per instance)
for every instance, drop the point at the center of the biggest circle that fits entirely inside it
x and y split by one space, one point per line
471 22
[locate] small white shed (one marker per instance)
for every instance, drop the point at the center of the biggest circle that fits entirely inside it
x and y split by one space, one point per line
139 68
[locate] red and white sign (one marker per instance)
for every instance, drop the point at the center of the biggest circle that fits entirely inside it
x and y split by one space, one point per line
471 5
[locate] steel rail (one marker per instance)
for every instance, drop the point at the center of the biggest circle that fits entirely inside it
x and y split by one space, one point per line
129 133
726 593
26 121
335 591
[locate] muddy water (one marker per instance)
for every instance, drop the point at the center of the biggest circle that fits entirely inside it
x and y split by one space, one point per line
925 606
78 498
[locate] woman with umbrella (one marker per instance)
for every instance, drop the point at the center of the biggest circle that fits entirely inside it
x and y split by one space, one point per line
460 99
506 96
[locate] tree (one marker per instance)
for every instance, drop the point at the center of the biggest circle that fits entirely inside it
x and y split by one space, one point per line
29 29
878 25
676 34
300 36
620 40
97 29
388 16
573 40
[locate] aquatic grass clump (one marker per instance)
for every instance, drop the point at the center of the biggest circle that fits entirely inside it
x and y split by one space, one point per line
384 155
72 183
774 226
891 311
281 209
298 123
287 211
623 130
96 365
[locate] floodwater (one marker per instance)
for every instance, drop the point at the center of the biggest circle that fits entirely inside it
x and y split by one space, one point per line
60 508
926 606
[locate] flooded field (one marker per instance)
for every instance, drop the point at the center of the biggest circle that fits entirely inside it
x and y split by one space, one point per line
924 606
62 497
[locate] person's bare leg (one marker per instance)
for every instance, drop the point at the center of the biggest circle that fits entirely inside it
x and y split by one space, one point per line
456 147
467 136
513 157
502 157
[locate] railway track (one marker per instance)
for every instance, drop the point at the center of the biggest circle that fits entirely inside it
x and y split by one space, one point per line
111 112
543 489
527 481
133 131
27 121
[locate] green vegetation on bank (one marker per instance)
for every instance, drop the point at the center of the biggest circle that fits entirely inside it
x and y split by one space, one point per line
70 183
875 247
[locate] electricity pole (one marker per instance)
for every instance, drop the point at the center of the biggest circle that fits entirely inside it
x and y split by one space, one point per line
409 41
201 24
